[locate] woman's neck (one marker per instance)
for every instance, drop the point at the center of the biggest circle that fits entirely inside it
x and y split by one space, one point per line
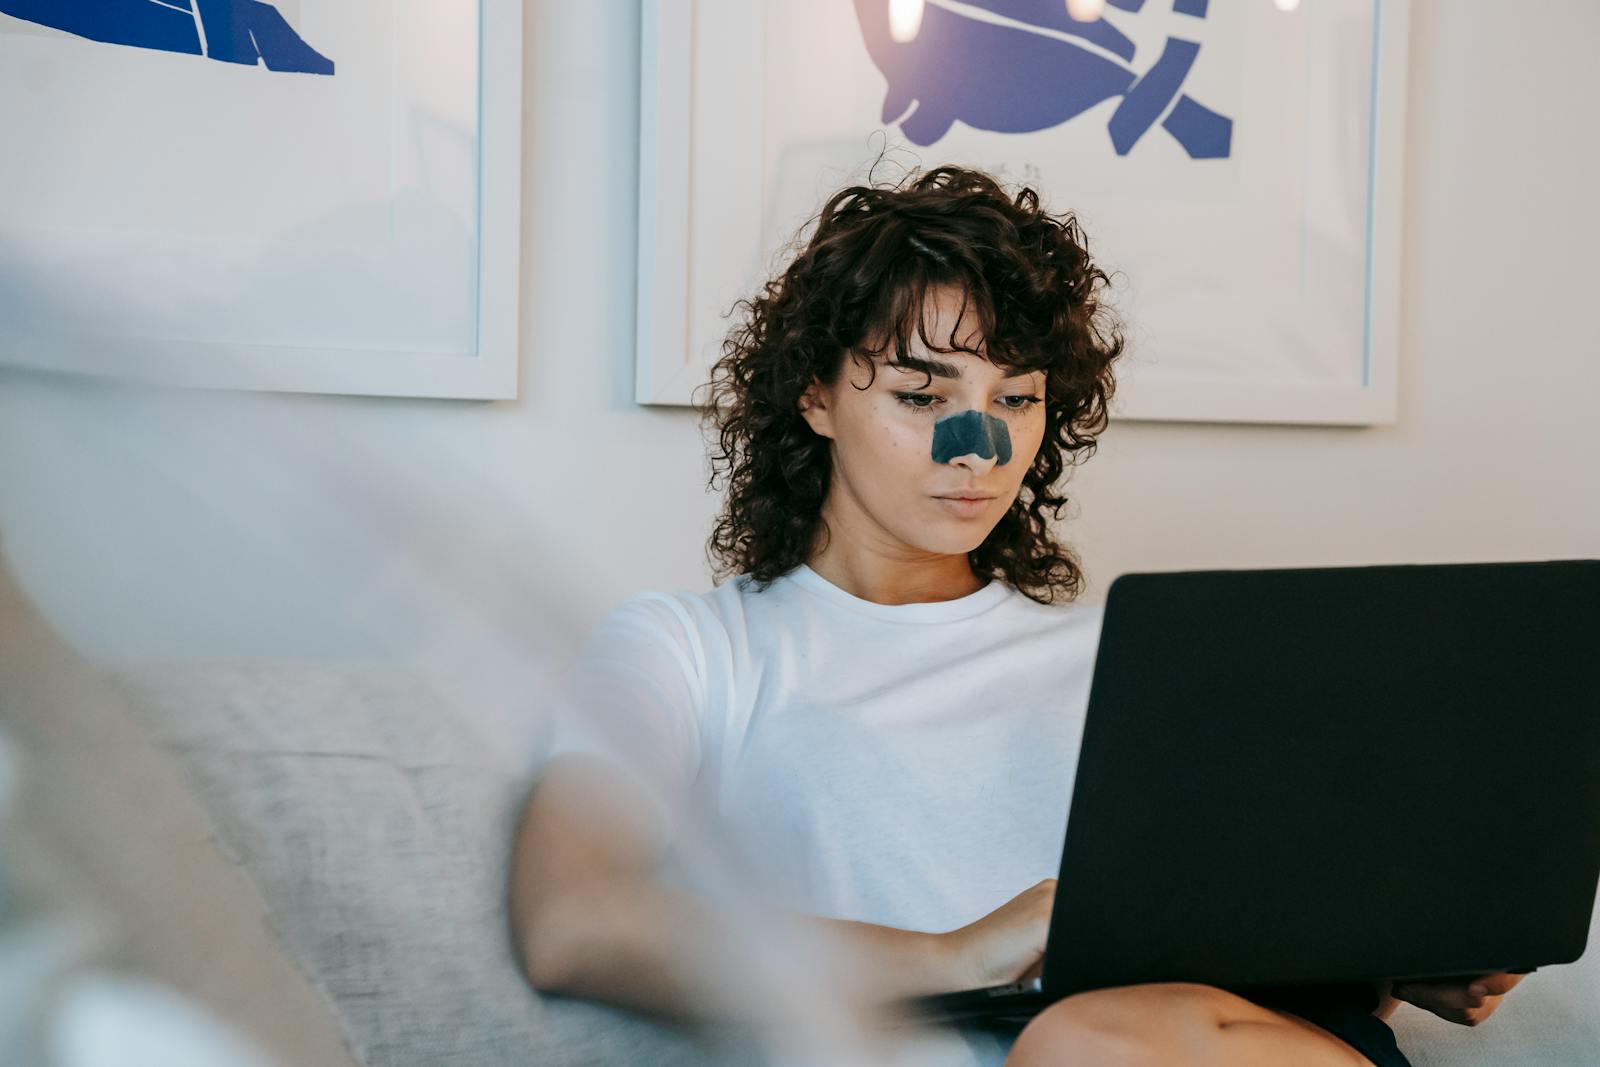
884 580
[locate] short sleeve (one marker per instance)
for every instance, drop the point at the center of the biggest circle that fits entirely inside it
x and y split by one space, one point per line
634 696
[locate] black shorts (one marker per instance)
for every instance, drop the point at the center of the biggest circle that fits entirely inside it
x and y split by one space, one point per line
1344 1010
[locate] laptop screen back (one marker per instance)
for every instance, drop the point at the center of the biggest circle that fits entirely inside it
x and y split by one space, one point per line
1335 773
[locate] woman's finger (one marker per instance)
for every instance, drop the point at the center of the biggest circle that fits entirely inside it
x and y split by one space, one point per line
1496 985
1437 996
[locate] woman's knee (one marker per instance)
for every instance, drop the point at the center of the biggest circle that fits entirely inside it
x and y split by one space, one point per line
1155 1024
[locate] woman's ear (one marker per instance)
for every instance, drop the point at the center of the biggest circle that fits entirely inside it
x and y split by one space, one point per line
814 409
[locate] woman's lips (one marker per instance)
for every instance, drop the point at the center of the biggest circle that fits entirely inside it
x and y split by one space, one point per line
965 507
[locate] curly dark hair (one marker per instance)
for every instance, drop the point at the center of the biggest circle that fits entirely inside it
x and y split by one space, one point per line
876 251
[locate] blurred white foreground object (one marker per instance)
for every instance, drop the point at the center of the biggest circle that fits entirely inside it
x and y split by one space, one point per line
110 1020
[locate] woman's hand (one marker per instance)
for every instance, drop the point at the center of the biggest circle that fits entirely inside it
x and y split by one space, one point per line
1006 945
1465 1001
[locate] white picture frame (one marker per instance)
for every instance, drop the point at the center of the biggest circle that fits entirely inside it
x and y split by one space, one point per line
459 161
708 234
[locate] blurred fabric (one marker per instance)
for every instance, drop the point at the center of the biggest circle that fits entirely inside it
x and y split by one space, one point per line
123 931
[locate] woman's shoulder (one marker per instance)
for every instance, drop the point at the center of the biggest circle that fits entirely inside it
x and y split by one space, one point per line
691 619
1076 622
1078 610
687 607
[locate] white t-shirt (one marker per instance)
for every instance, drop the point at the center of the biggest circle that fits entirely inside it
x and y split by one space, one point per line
909 765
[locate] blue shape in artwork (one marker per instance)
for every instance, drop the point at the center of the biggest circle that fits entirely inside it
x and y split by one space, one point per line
991 77
235 31
1010 79
238 31
132 22
1151 94
1052 15
1203 133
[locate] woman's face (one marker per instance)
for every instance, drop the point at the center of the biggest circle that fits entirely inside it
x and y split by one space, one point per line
904 453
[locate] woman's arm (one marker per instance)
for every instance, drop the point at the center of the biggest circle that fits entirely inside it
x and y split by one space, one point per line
591 920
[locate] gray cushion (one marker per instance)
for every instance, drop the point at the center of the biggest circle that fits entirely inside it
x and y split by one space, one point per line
378 825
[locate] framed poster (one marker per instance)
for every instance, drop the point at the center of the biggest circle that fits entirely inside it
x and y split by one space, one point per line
305 195
1236 167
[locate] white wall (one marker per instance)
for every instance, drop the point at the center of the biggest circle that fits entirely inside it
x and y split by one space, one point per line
152 525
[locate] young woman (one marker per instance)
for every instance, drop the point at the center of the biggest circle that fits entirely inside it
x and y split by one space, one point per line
888 695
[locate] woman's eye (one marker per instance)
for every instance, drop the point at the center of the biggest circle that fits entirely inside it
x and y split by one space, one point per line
1027 402
919 401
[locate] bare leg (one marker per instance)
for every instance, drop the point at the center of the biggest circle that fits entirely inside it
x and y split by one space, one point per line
1169 1024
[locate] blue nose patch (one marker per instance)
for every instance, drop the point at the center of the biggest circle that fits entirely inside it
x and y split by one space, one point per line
971 432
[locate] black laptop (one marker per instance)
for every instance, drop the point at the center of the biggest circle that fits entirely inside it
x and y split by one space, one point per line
1298 776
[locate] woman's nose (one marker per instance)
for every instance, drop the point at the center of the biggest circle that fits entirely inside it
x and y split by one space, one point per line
975 463
974 439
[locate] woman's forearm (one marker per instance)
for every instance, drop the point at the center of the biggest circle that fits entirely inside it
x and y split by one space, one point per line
651 948
590 919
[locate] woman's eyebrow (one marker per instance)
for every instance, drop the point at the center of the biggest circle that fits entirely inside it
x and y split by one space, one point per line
938 368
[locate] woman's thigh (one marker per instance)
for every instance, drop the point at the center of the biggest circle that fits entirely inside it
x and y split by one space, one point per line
1170 1024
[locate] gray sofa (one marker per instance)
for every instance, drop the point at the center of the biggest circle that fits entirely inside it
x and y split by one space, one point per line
320 858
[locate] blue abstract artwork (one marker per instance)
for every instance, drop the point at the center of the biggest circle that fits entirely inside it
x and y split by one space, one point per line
247 32
1026 70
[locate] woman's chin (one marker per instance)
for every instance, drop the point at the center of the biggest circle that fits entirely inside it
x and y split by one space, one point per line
957 542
